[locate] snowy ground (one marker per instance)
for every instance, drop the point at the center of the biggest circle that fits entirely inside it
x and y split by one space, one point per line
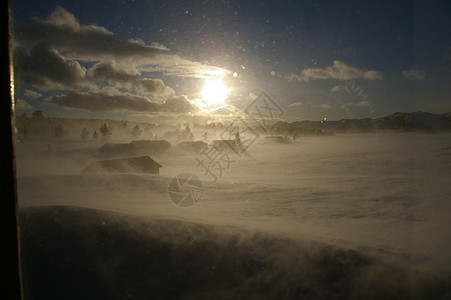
384 195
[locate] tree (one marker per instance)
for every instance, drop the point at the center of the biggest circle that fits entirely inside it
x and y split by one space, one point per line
186 133
38 115
136 131
186 128
106 133
237 139
84 134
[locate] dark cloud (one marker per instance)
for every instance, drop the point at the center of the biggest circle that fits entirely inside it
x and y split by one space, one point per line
128 77
111 99
62 31
153 86
45 68
178 104
108 71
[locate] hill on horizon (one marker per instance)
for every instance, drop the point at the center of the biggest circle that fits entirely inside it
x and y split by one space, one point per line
398 121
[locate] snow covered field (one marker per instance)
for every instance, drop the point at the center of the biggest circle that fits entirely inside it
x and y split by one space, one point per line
381 196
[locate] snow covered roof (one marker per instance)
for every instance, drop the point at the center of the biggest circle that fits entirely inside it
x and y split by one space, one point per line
140 164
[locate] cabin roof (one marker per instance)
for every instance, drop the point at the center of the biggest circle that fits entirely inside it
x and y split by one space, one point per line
138 164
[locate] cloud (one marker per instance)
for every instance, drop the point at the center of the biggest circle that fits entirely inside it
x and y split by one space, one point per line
181 67
315 74
153 86
129 77
295 104
373 75
63 32
363 103
110 71
325 106
340 88
339 70
22 105
178 104
51 54
111 99
32 94
227 111
294 77
414 74
154 45
46 68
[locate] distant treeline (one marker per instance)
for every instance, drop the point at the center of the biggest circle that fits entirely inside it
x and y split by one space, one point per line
37 125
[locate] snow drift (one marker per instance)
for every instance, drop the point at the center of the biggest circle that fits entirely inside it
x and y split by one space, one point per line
80 253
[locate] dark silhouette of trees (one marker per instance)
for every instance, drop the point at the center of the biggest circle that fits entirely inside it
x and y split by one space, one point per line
237 139
136 131
106 133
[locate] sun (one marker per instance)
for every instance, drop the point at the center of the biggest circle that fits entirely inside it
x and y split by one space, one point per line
214 93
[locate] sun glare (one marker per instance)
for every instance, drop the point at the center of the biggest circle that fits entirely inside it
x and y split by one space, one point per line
215 92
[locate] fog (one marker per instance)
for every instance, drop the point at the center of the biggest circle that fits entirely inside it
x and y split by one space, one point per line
375 206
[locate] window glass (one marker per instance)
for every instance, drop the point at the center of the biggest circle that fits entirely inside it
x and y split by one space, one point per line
233 149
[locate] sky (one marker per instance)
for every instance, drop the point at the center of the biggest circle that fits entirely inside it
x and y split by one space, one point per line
143 60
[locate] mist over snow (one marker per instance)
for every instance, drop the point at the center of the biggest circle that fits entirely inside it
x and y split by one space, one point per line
386 196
